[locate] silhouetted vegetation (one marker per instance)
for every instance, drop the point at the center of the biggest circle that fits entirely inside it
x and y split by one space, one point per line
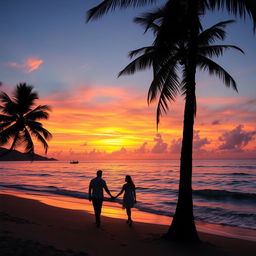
167 63
19 120
179 31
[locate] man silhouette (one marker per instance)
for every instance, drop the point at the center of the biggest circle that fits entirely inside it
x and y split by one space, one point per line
96 194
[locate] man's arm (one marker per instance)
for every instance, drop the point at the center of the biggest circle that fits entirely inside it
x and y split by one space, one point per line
90 191
107 190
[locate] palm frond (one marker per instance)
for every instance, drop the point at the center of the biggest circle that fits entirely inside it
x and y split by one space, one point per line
168 93
9 106
5 98
40 138
141 51
240 8
153 26
110 5
25 97
166 74
151 20
16 140
214 69
5 125
216 50
6 118
8 133
40 112
214 33
37 127
27 140
140 63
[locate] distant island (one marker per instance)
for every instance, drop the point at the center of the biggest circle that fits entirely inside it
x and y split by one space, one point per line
15 155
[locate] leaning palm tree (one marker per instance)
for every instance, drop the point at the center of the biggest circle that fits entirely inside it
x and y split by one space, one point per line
19 120
183 14
165 87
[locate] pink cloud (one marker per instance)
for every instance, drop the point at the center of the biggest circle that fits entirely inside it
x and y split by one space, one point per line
236 139
97 114
142 149
199 142
160 146
30 65
15 65
175 146
33 64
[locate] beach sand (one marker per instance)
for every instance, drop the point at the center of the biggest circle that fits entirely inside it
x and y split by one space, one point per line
29 227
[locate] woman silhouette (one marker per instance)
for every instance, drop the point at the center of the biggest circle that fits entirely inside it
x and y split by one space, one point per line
129 198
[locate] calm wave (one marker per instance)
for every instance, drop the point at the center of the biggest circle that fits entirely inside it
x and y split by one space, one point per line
224 190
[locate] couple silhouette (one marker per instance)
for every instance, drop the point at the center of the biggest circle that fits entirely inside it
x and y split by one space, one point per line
96 196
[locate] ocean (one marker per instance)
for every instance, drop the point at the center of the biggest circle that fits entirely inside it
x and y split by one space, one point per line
224 191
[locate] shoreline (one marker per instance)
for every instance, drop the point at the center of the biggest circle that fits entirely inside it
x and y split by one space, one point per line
114 210
73 232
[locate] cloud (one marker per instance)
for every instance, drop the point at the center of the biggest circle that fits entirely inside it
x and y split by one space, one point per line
120 152
127 121
198 142
30 65
236 139
175 146
160 146
215 122
142 149
33 64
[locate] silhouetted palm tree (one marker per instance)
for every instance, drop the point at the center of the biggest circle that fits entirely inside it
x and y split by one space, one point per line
238 7
182 22
19 119
166 85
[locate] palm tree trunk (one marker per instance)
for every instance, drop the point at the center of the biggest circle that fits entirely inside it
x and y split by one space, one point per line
183 225
12 146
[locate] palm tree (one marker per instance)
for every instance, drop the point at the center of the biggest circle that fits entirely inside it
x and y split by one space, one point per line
19 119
167 85
181 21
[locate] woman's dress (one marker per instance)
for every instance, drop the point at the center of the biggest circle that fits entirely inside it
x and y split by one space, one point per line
128 199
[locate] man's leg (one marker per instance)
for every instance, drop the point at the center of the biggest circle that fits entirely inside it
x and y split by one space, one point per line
97 205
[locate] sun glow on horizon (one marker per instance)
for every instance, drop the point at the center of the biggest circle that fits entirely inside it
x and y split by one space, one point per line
122 129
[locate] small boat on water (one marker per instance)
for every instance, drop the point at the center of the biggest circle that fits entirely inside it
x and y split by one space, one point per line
74 162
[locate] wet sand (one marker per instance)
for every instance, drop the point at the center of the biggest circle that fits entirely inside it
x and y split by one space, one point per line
29 227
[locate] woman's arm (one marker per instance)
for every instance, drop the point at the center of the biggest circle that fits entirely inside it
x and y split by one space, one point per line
121 192
134 195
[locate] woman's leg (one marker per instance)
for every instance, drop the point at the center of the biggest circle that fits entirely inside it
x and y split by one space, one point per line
129 214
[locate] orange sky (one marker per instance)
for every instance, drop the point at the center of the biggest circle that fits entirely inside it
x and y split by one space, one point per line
74 68
113 123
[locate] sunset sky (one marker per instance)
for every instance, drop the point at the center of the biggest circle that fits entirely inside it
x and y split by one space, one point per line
73 65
